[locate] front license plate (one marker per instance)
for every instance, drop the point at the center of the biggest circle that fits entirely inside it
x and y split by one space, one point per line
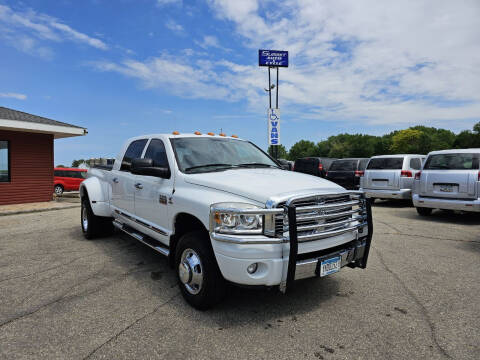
330 266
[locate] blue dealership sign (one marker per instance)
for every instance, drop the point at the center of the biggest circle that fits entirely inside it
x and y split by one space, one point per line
275 58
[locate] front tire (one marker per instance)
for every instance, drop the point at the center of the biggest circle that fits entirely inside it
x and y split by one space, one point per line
422 211
58 190
93 226
199 278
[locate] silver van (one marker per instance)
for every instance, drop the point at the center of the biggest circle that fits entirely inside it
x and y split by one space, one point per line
449 180
391 176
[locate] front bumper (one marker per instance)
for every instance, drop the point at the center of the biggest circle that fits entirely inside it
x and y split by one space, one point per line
281 261
402 194
447 204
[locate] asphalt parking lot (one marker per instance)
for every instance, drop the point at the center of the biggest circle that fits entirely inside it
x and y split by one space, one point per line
66 297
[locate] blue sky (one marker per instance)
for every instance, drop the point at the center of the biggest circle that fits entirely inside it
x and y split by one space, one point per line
124 68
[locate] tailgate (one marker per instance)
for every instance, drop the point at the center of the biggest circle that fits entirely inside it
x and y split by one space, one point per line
382 179
456 184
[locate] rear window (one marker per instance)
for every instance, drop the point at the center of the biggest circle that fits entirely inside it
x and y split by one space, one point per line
363 164
344 165
461 161
394 163
306 164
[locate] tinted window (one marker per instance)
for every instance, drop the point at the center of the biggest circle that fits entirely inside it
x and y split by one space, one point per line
363 164
415 164
452 162
78 174
156 152
134 151
58 173
343 165
307 165
385 163
4 164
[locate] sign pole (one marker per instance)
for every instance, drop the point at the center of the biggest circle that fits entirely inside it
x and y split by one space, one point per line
277 89
269 88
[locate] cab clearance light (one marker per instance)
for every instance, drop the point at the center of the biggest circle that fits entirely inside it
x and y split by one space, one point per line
211 134
222 134
235 136
406 173
197 133
175 133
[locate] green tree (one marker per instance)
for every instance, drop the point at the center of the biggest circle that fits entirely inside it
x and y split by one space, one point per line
60 166
302 148
281 151
408 141
76 163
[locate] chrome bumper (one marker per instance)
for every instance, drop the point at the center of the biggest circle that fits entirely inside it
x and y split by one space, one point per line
404 194
447 204
310 268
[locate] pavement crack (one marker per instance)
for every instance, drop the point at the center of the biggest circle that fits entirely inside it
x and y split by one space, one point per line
428 237
114 337
388 225
423 309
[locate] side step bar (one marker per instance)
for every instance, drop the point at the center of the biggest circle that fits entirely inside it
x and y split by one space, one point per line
150 242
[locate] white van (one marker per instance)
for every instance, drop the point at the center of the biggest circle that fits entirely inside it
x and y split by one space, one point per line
449 180
391 176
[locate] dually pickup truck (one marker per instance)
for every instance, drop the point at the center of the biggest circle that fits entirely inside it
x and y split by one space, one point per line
222 210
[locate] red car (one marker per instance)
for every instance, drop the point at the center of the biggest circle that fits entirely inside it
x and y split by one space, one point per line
67 179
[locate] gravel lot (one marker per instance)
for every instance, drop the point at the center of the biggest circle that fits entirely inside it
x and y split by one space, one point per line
65 297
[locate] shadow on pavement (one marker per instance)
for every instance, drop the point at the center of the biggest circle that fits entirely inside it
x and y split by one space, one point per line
444 216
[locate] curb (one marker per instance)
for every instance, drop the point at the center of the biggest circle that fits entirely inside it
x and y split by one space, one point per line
37 210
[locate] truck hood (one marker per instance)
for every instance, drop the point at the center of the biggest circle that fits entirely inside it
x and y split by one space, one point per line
263 184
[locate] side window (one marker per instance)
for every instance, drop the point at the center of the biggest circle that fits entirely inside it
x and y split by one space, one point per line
156 152
415 164
57 173
134 150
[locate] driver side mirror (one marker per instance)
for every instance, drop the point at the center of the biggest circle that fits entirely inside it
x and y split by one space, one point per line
145 167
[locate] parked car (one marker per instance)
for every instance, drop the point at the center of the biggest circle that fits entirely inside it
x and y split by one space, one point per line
347 172
222 210
316 166
67 179
450 180
391 176
286 164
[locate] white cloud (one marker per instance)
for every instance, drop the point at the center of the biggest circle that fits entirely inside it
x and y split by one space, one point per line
28 30
13 96
381 62
174 26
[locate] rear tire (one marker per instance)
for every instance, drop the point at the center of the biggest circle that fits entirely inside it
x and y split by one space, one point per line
422 211
58 190
93 226
199 278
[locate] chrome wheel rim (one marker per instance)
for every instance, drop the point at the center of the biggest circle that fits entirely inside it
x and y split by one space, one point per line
190 271
58 190
84 219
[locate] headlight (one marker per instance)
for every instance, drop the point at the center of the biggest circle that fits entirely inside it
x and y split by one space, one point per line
236 218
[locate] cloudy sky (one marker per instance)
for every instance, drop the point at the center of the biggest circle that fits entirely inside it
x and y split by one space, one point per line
125 68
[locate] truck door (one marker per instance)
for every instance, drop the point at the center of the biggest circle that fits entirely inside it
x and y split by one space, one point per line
123 181
152 199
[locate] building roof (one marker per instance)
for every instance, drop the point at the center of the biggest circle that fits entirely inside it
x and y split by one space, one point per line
21 121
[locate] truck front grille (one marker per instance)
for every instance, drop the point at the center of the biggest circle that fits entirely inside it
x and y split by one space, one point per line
324 216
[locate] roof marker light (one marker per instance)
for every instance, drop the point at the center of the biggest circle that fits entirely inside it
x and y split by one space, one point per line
222 134
197 133
211 134
175 133
235 136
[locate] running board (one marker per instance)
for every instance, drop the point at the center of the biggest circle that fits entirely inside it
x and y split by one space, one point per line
150 242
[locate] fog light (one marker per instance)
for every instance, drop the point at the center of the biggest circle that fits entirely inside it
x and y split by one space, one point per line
252 268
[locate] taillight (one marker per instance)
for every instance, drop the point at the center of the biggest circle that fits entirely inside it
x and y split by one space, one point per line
320 166
406 173
417 175
479 176
359 173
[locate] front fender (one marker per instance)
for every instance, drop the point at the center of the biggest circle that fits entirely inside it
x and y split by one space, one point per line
98 196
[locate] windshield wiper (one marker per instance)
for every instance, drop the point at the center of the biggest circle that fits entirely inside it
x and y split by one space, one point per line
257 164
210 165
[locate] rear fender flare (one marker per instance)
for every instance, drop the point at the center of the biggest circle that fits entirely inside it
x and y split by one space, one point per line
93 190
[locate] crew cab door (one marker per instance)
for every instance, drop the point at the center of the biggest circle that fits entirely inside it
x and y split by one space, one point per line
153 196
123 181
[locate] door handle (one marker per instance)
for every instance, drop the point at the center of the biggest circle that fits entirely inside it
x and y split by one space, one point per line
139 186
115 180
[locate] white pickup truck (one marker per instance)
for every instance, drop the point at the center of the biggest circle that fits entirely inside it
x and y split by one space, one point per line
222 210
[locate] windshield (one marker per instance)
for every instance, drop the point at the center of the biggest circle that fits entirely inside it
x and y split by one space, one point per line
343 165
203 154
459 161
394 163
